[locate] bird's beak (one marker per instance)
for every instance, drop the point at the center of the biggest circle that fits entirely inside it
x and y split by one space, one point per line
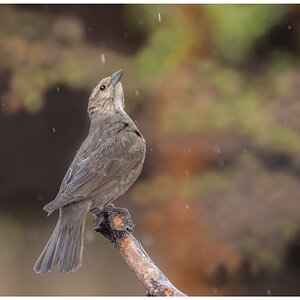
115 78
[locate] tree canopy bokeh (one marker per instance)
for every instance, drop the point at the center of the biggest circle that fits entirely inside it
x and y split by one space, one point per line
214 90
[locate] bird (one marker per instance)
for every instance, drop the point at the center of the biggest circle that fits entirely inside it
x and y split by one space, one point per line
108 162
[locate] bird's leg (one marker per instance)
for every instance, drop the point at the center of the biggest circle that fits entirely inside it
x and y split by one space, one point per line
113 222
96 211
99 218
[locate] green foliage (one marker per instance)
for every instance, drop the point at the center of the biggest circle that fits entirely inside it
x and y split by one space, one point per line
168 45
164 188
238 27
165 49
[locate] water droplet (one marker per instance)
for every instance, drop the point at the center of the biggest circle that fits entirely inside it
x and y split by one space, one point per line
103 60
159 17
289 27
136 92
57 88
187 207
53 129
216 149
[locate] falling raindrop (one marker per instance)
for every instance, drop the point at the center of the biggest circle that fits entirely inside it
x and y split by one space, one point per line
216 149
53 129
159 17
57 88
103 60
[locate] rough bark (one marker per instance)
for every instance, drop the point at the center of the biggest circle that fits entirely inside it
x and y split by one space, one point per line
116 225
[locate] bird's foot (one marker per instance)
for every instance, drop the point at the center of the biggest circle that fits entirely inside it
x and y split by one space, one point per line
108 205
113 222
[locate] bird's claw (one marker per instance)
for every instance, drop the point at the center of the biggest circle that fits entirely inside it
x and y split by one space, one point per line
113 222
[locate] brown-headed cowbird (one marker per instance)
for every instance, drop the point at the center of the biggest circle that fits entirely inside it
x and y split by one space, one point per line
108 162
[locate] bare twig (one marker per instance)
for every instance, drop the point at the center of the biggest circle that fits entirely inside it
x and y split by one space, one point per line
116 225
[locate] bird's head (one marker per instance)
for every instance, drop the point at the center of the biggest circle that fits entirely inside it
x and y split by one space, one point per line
107 96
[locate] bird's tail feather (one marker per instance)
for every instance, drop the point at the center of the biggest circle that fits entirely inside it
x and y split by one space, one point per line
65 244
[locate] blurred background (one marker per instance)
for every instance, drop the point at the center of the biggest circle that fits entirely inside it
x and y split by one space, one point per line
214 90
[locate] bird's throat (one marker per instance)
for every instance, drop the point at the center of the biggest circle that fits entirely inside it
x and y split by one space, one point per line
119 97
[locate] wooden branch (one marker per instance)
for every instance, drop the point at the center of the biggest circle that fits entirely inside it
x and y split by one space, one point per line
116 225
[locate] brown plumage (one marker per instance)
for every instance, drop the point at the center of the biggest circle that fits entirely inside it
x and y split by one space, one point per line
108 162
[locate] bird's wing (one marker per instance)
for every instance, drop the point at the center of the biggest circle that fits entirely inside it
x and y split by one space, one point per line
101 170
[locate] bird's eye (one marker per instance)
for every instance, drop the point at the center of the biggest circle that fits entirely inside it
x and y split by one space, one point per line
102 87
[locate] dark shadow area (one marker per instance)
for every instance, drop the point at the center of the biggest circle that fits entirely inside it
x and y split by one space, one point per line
37 148
105 24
